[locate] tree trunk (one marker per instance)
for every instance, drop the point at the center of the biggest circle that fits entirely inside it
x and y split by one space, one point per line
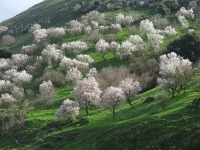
113 115
103 57
86 109
129 101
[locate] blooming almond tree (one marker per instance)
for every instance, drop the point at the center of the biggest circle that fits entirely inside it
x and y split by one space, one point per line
75 27
185 13
75 47
183 22
155 40
87 92
111 97
22 78
68 110
85 58
170 31
174 72
125 49
47 93
28 49
6 99
146 26
113 48
3 29
130 89
56 34
102 48
124 21
40 35
73 75
52 55
19 60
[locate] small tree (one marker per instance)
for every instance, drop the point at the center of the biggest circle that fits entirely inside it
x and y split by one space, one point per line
68 110
111 97
7 40
56 34
87 92
47 94
5 53
130 88
102 48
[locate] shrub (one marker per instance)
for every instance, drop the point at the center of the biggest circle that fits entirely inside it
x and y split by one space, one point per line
5 53
149 99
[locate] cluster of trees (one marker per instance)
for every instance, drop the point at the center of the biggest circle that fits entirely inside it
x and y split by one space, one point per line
64 63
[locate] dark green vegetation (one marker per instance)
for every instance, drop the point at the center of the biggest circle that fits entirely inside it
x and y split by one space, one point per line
5 53
146 126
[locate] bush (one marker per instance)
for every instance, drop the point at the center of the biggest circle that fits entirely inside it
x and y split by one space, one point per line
149 99
186 46
5 53
195 104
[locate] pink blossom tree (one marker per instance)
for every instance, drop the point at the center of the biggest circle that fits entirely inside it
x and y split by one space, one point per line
68 110
130 88
87 92
111 97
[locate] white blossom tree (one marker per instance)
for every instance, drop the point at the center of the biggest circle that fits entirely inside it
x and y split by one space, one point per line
40 35
146 26
75 47
6 99
155 40
85 58
75 28
47 93
87 92
174 72
183 22
52 55
185 13
22 78
116 28
111 97
124 20
130 88
68 110
56 34
93 16
19 60
6 86
3 29
170 31
102 48
91 73
4 64
73 75
7 40
113 48
125 49
28 49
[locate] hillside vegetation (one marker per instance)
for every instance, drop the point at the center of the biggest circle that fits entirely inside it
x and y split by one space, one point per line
65 85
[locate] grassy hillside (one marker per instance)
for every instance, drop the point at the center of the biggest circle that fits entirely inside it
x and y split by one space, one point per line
146 126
